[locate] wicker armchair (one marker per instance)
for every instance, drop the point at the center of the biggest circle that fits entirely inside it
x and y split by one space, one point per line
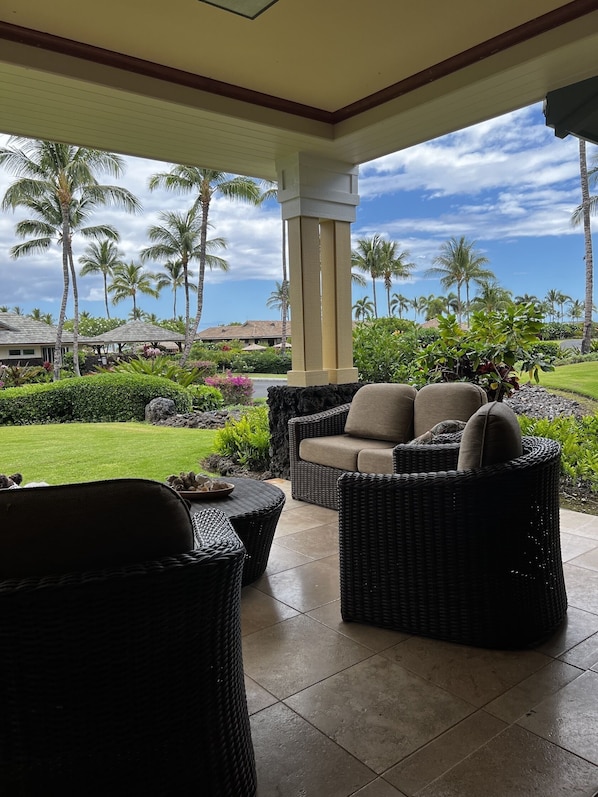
126 679
468 556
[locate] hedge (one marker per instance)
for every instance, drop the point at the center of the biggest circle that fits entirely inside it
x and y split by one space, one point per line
105 397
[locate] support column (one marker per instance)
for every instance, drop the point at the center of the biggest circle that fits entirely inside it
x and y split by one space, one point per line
318 198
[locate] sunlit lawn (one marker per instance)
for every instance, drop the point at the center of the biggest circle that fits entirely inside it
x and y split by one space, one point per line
66 453
579 378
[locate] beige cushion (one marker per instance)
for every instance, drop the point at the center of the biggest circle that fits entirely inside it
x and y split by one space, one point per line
375 460
382 412
88 526
491 436
337 451
442 401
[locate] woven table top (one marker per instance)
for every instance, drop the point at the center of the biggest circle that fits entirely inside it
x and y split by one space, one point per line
250 497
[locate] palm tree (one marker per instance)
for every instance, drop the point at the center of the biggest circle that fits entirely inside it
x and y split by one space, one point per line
129 280
174 278
363 309
17 310
179 236
576 309
562 300
269 193
205 183
399 303
58 184
394 265
582 214
419 304
491 297
101 257
527 298
459 264
278 299
357 279
367 257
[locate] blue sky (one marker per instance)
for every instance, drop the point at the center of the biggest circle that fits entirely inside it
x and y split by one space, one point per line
508 183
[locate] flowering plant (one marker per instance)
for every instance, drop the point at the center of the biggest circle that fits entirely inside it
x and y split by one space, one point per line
234 389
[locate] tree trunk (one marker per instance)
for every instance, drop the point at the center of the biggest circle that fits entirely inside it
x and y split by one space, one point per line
105 275
65 293
587 231
75 313
205 208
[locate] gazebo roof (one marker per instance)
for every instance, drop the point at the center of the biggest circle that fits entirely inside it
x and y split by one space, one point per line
138 332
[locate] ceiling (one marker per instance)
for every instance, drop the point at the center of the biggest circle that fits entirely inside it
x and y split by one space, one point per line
187 82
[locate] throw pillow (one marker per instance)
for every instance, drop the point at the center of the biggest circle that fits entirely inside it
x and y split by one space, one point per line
492 435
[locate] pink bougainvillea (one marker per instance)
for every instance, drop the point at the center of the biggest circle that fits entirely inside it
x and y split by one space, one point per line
234 389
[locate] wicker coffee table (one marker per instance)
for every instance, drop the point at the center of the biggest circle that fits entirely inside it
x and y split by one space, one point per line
253 509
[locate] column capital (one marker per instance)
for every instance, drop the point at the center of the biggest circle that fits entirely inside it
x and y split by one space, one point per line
318 187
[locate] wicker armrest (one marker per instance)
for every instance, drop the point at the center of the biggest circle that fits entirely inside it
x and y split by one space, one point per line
213 531
321 424
425 458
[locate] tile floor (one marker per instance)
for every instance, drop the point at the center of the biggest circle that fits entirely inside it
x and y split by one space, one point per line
342 709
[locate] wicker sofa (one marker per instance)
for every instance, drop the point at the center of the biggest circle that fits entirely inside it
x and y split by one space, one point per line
370 435
120 644
471 555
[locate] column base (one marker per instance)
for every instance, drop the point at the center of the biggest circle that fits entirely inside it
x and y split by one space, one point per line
307 378
342 376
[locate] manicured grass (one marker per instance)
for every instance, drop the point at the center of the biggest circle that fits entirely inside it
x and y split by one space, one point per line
74 452
581 378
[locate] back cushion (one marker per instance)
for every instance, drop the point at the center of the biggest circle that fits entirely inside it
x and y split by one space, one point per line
382 412
444 401
491 436
74 527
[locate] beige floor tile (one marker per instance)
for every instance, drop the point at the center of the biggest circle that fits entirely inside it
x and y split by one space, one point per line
257 697
517 764
297 653
475 674
584 655
569 718
522 698
573 545
584 525
582 587
374 638
299 519
588 560
316 543
293 759
379 711
379 788
305 587
283 559
259 610
440 755
578 625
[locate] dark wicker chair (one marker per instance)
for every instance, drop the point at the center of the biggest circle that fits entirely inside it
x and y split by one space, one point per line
467 556
127 679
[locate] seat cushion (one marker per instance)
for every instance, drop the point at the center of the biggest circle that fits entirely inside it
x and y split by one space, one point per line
89 526
491 436
382 412
338 451
375 460
456 401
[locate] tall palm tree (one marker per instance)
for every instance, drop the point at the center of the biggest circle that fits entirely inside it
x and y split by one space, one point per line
179 236
278 299
552 299
491 297
562 300
368 257
363 309
58 184
174 278
129 280
419 304
581 215
101 257
205 183
270 192
576 309
394 265
459 264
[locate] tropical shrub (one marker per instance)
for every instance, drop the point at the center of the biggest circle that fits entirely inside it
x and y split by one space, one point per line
234 389
247 441
269 361
205 398
105 397
16 375
559 330
384 353
159 365
579 443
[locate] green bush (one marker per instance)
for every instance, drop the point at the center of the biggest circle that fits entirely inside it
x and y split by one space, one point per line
579 444
247 441
268 361
384 353
205 398
105 397
162 365
559 330
546 350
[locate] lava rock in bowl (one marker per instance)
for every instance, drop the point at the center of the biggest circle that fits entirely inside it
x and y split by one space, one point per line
191 482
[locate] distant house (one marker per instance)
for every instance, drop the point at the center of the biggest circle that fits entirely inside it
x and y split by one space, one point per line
22 339
266 333
141 332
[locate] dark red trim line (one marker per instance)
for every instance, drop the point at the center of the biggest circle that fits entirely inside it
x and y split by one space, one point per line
522 33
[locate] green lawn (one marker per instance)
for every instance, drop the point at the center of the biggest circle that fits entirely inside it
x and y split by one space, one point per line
73 452
579 378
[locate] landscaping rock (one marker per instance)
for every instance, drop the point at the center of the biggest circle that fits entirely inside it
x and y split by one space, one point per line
215 419
158 409
536 402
